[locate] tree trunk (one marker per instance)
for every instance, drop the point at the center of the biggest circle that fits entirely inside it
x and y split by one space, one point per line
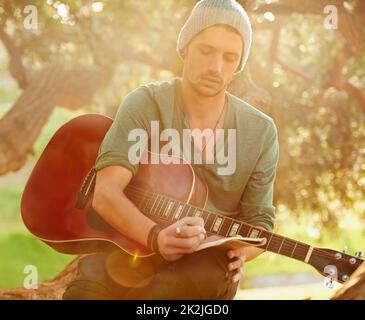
54 85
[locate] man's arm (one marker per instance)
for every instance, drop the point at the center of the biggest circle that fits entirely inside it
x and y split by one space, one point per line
116 209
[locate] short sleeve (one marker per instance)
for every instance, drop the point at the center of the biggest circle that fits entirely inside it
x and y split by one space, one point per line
135 112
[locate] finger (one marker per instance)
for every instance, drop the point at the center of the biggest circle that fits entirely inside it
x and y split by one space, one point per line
237 264
190 231
236 277
235 253
194 221
185 243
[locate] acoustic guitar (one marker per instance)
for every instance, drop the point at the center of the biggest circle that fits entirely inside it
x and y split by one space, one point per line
56 206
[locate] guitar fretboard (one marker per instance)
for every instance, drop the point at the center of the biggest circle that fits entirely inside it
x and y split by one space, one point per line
171 210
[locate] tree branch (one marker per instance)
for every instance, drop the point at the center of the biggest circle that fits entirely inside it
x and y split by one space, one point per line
16 66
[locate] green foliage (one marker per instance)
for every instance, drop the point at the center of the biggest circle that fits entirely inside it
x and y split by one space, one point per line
9 202
18 250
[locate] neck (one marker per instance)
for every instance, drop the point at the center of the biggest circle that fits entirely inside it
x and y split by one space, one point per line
198 106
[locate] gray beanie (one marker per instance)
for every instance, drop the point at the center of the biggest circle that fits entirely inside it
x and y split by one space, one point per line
210 12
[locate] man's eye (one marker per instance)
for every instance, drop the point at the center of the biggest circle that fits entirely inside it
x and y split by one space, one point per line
204 50
231 58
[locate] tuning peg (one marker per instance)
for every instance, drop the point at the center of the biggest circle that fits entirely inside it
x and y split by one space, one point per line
345 249
359 254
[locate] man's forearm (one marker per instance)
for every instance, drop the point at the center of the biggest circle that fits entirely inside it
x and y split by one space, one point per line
123 215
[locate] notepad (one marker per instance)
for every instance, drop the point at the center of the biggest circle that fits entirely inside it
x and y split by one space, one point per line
231 242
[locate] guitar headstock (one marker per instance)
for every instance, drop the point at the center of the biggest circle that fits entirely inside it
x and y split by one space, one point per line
336 265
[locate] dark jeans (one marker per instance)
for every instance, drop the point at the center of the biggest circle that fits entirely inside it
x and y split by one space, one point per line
201 275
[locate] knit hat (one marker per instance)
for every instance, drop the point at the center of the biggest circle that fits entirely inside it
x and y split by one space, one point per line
207 13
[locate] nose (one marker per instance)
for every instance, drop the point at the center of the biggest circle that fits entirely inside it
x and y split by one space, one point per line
216 65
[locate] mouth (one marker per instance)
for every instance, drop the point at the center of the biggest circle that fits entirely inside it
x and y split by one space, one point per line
211 80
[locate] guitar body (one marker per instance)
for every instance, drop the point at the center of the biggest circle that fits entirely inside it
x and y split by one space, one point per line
48 203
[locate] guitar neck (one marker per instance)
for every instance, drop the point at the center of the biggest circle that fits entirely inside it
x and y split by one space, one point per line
171 210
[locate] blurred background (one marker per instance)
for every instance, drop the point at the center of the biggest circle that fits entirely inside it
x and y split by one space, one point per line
61 59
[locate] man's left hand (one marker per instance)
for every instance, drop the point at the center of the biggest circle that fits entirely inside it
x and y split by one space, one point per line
238 258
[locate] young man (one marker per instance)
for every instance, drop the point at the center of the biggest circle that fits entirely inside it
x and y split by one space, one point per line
214 44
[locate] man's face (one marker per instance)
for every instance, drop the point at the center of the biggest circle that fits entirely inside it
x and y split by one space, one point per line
211 59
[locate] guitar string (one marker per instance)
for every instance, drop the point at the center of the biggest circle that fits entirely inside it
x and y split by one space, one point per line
148 195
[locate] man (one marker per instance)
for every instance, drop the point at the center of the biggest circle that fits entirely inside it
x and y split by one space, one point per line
214 44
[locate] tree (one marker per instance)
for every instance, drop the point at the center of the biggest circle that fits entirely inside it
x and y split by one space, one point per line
82 55
311 80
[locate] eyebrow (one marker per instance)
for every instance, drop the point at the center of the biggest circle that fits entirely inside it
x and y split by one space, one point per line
211 47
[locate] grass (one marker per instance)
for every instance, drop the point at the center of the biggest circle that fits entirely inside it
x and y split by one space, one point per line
19 249
313 291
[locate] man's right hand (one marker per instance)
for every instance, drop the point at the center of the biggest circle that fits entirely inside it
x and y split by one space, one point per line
173 245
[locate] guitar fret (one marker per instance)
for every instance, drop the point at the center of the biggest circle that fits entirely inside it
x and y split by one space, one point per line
217 224
254 233
188 214
281 245
276 243
146 208
209 222
244 230
268 243
184 211
198 212
205 216
301 251
154 203
233 230
226 225
249 232
158 206
296 243
162 207
288 247
170 204
167 208
178 211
